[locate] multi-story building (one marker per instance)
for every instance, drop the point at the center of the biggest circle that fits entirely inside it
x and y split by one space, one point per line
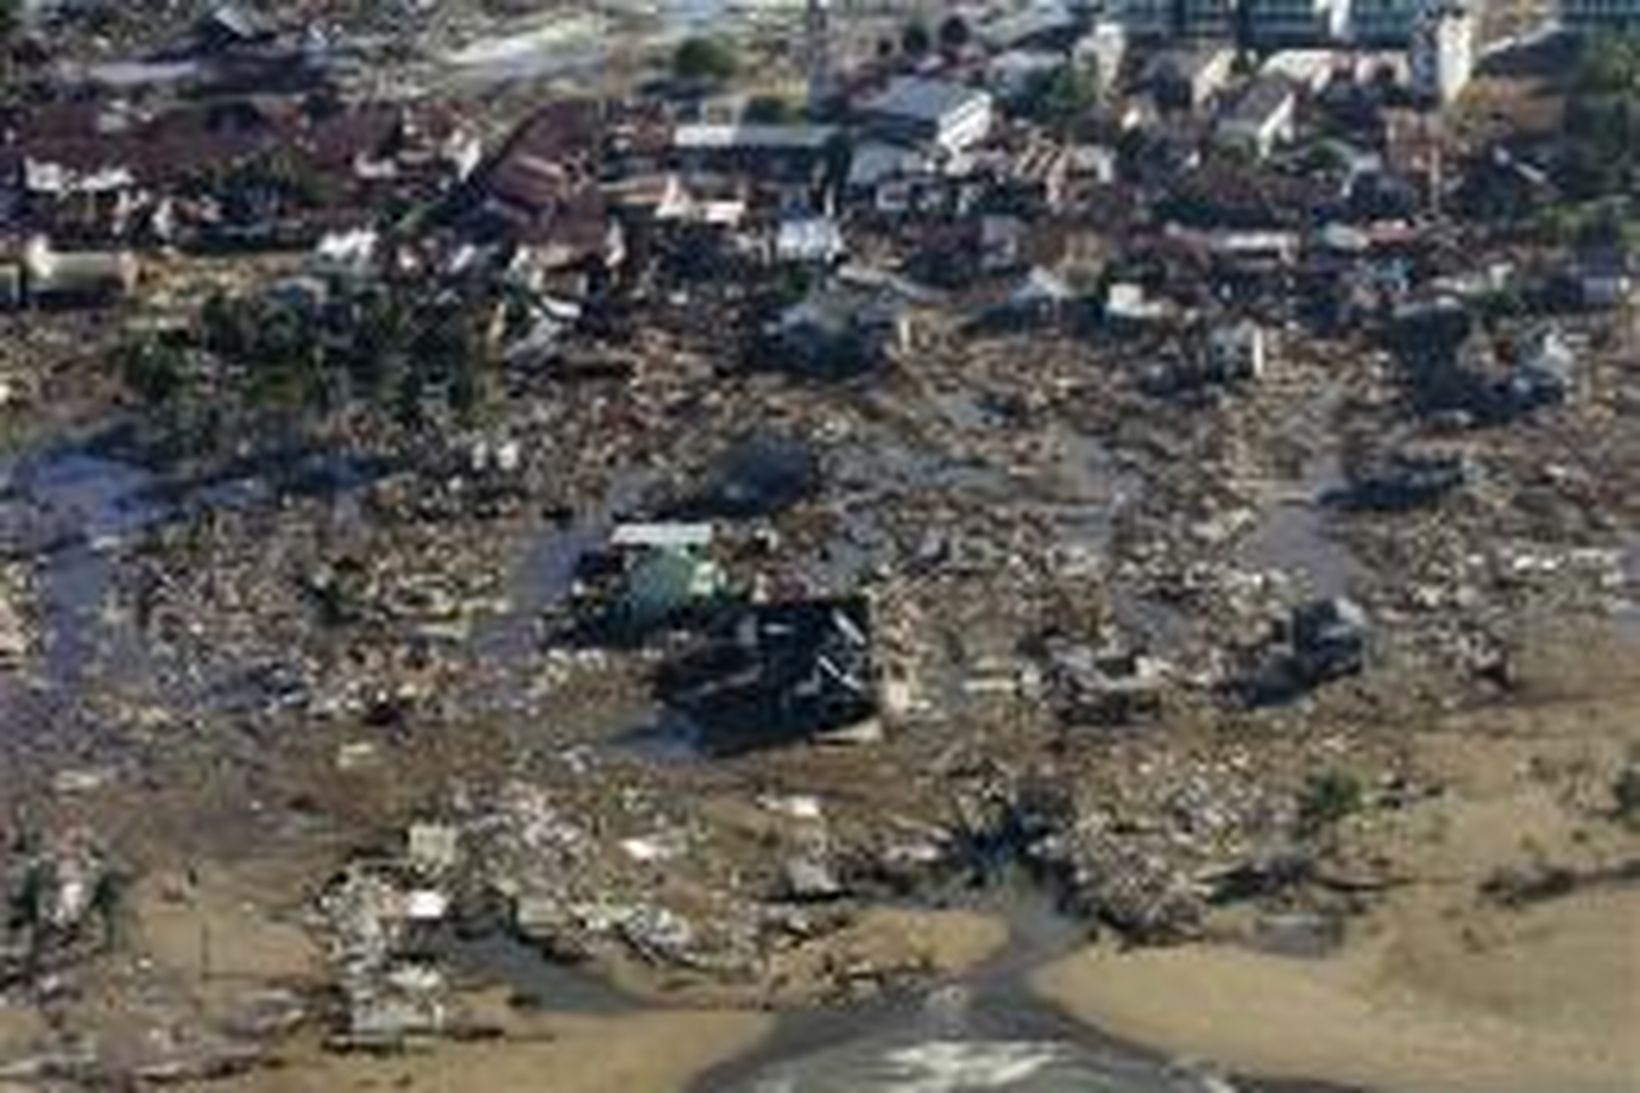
1207 18
1293 22
1145 19
1594 16
1383 22
1257 22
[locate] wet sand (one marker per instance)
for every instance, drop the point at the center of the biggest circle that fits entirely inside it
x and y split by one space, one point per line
654 1052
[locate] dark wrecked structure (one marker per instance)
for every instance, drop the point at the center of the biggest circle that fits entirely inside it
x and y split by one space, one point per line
774 674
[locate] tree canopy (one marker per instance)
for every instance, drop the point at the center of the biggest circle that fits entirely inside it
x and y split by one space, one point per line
1602 130
771 110
707 59
916 40
1058 99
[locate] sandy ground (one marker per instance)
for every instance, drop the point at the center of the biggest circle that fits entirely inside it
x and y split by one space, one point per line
210 925
643 1053
1555 1010
1438 988
656 1050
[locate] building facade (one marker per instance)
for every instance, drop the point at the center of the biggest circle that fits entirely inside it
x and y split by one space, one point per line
1145 19
1594 16
1383 22
1293 22
1208 18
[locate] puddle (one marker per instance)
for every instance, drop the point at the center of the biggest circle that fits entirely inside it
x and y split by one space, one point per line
666 736
860 546
1295 537
759 475
75 511
533 977
80 509
509 643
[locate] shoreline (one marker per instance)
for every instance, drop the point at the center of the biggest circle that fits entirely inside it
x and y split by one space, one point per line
1362 1019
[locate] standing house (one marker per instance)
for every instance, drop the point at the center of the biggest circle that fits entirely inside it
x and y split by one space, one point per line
1264 116
542 194
794 155
949 115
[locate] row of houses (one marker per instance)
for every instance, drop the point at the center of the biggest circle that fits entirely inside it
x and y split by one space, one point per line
237 172
1275 24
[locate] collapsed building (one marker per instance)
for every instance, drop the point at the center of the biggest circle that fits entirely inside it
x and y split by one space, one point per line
777 673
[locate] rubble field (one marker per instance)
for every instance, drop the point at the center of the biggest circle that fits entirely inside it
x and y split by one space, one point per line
531 582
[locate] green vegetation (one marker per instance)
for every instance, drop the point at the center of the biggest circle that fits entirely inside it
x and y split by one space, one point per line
771 110
153 367
1060 99
706 60
916 40
1626 795
1327 799
1602 146
382 356
11 24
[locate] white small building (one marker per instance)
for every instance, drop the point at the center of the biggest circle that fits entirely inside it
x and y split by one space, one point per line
78 275
1441 56
948 115
1100 52
1265 116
